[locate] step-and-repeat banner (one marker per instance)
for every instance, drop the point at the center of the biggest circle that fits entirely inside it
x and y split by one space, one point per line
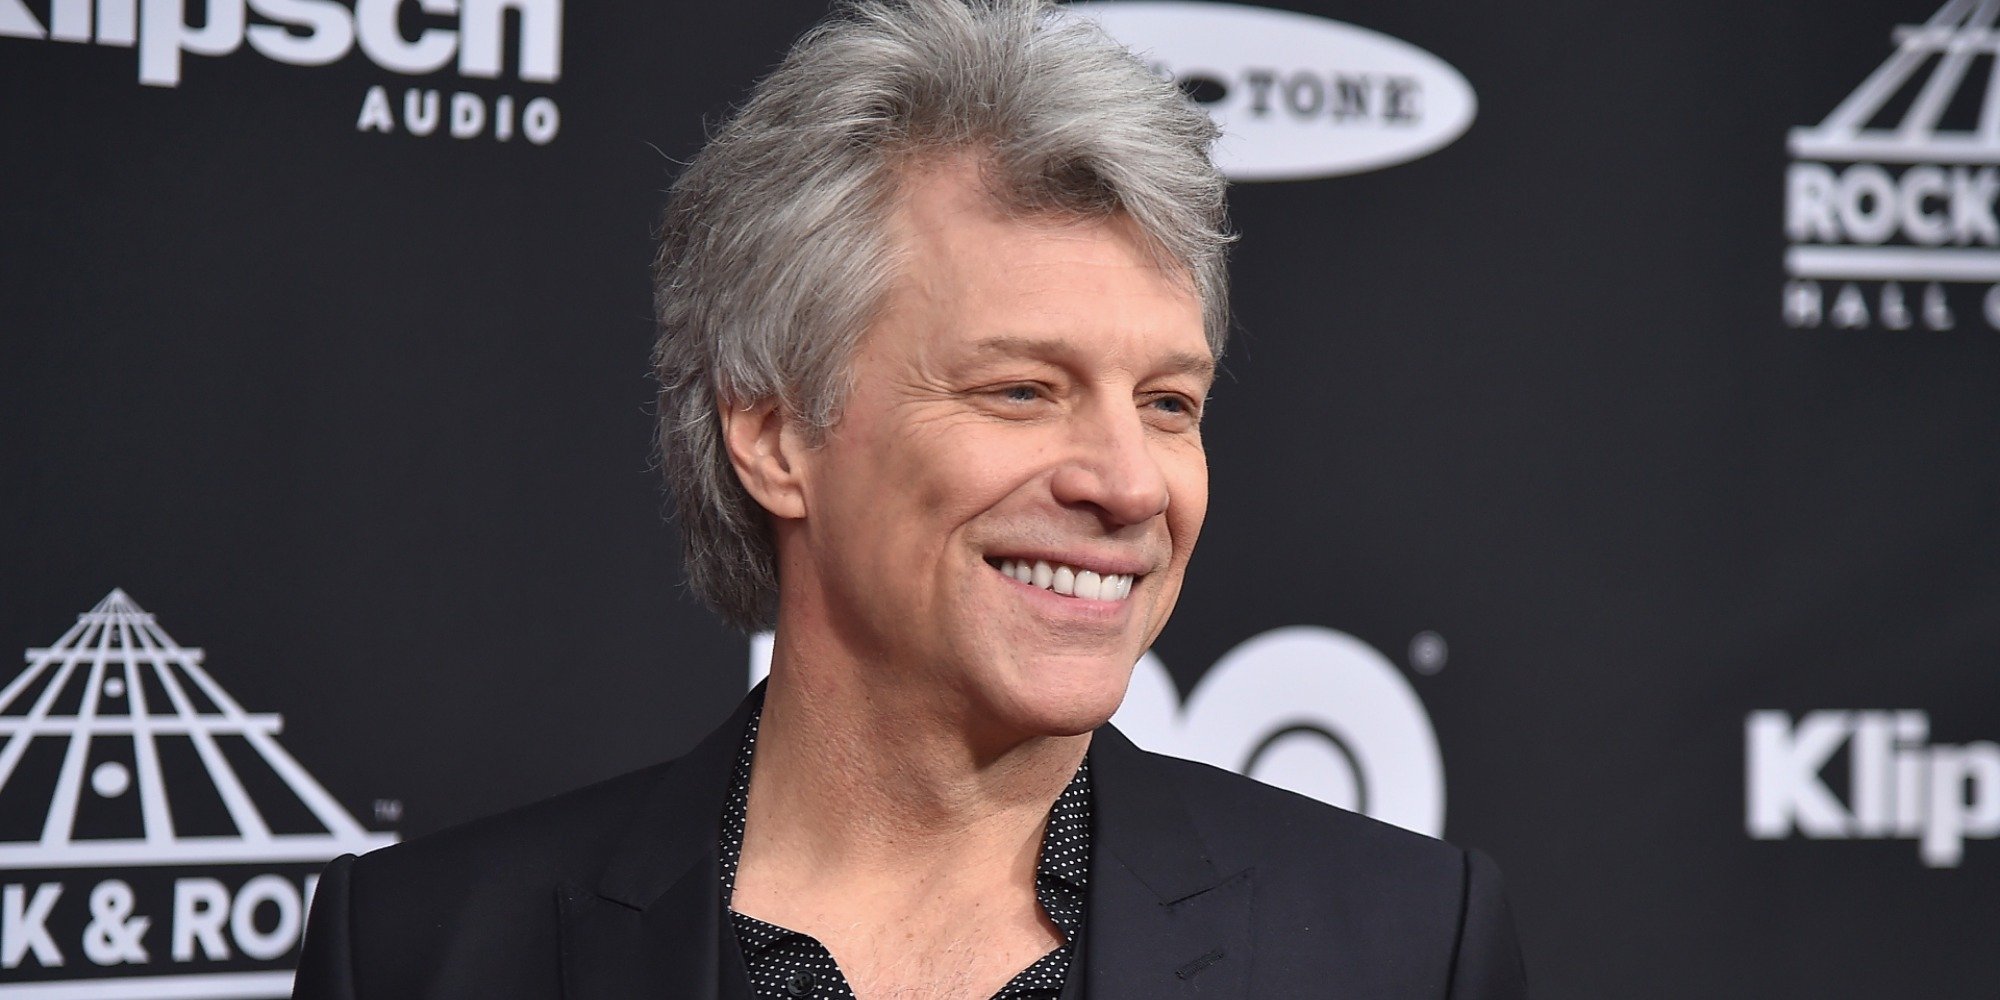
1606 467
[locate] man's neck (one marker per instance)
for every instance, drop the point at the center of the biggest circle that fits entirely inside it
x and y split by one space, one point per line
895 834
852 780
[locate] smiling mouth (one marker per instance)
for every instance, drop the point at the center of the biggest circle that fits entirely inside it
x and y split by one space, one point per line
1066 580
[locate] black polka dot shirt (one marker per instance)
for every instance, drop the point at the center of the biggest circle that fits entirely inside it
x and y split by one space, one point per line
787 965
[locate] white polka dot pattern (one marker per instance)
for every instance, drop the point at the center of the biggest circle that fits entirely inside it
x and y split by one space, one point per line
784 964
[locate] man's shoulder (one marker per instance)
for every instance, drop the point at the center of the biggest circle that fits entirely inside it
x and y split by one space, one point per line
566 837
481 905
1245 823
1342 898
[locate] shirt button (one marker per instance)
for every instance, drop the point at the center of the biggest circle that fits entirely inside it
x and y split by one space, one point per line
800 984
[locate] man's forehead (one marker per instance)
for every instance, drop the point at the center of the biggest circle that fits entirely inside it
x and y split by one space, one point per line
996 282
951 199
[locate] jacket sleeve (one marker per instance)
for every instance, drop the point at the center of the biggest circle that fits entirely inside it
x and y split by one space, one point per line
1487 964
326 964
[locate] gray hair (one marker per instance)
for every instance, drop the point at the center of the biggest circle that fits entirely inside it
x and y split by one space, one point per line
775 252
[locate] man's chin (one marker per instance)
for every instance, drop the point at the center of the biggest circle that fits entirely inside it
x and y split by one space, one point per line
1069 703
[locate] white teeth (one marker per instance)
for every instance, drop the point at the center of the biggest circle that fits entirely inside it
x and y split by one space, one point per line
1069 581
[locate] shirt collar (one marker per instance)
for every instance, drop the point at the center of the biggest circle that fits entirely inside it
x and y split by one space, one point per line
1062 872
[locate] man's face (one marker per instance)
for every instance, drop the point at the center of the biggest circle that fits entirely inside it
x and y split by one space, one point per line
1026 404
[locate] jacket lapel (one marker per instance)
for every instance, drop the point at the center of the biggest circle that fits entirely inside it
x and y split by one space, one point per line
650 926
1163 921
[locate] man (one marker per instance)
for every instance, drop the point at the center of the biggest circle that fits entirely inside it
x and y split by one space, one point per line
940 308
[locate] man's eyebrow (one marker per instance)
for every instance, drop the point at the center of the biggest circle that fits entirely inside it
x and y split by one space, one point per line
1200 365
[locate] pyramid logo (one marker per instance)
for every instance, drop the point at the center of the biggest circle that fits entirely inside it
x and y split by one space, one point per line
1947 45
155 839
1897 186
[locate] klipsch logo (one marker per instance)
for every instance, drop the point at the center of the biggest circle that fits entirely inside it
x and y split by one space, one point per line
1900 785
1889 202
1308 709
1296 96
155 840
409 37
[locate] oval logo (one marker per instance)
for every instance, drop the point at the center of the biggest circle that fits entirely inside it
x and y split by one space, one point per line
1296 96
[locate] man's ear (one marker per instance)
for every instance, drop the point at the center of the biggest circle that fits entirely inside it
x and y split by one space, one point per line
766 447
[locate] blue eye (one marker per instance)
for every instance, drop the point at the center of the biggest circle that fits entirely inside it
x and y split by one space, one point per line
1175 410
1021 393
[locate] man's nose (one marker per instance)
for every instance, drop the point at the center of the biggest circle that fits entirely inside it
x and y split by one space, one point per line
1112 467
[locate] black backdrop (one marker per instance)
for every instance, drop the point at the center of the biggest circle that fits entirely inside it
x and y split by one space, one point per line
364 416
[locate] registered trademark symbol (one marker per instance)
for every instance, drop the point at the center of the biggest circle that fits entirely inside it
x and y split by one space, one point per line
1428 652
388 810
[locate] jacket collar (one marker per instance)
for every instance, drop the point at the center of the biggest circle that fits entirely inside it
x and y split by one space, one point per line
679 822
649 926
1164 920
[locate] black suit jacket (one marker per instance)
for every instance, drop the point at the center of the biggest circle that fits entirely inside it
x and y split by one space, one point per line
1202 883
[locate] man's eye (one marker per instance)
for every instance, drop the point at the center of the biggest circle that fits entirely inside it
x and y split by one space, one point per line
1173 405
1021 393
